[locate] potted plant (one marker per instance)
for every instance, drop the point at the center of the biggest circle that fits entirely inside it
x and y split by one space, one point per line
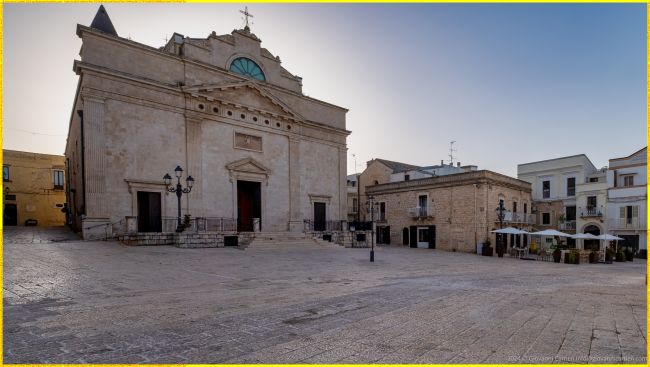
620 256
561 218
629 255
593 257
487 248
575 257
557 254
609 255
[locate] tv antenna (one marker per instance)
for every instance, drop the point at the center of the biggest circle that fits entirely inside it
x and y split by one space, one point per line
451 152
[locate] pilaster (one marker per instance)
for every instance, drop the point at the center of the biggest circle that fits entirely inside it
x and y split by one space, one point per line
95 157
295 208
193 144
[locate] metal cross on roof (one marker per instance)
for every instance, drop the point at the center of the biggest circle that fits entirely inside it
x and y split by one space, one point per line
246 14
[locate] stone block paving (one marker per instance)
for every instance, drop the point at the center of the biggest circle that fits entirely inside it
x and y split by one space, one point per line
69 301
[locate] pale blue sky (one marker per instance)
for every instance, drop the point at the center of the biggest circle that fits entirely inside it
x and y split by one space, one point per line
511 83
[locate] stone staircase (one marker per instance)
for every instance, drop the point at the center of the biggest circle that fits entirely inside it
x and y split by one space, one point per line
288 240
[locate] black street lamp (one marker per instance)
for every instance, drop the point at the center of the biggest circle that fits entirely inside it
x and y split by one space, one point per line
500 215
179 190
371 205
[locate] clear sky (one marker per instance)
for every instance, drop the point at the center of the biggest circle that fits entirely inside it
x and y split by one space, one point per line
510 83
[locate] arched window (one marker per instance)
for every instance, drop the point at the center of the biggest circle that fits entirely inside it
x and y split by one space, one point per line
247 67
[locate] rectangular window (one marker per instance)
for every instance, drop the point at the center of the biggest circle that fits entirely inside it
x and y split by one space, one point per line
354 205
546 218
407 177
593 179
571 186
382 211
514 206
591 202
422 204
546 189
570 213
58 179
628 181
5 173
525 208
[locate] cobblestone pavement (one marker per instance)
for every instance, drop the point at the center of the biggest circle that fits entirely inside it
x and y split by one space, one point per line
69 301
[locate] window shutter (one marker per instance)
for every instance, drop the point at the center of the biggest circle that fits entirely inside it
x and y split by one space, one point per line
635 211
622 212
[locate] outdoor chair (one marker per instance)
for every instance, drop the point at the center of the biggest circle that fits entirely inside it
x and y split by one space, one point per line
543 255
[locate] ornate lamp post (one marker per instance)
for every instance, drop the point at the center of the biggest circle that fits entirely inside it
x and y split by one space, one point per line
179 190
371 205
501 214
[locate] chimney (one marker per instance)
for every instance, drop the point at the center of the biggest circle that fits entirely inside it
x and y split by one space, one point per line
457 164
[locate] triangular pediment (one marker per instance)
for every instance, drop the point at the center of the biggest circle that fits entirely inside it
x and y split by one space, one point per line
246 94
248 165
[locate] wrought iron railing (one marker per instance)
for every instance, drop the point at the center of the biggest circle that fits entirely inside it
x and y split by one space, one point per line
590 212
568 225
325 226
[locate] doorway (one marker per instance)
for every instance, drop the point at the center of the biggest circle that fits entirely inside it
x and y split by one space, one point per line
149 213
249 205
10 217
592 244
423 237
320 216
383 235
405 236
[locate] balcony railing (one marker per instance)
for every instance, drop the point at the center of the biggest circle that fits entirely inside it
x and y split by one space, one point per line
590 212
418 212
568 225
513 217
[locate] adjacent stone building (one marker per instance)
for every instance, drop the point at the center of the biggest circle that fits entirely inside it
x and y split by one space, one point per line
33 189
261 152
453 212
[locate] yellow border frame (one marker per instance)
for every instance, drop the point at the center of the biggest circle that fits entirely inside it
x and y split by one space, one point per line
314 2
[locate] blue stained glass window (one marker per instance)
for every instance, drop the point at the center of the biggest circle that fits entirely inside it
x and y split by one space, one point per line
247 67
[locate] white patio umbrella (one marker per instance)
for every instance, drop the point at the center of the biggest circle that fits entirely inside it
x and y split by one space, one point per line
511 230
609 237
550 232
583 237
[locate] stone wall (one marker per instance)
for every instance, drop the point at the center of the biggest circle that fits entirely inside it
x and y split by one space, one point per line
461 206
31 187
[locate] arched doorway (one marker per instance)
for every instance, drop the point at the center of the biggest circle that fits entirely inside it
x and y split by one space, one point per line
405 236
592 244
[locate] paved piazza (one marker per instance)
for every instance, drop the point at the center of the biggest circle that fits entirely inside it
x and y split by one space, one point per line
68 301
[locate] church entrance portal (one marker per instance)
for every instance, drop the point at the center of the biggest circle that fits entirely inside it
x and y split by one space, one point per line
249 205
319 217
149 213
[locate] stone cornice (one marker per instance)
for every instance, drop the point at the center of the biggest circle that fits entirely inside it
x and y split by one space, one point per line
84 29
458 179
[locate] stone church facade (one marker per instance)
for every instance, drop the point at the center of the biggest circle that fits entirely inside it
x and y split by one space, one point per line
224 109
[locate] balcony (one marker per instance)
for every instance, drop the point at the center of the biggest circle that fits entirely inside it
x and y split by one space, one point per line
590 213
569 225
419 212
512 217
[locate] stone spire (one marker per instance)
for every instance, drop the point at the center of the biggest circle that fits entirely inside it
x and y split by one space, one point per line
102 22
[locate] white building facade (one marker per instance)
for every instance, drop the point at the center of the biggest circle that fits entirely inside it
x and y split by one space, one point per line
262 154
627 180
555 187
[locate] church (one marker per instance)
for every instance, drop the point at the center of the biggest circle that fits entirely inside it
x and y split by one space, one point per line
223 109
